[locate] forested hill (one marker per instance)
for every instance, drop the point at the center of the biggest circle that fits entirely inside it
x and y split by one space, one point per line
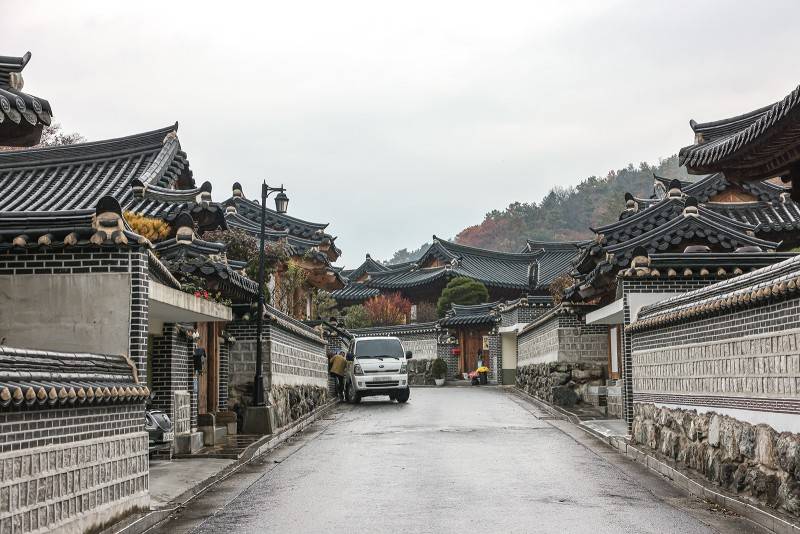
565 213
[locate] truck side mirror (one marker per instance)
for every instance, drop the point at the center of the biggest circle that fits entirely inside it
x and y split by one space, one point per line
350 357
408 355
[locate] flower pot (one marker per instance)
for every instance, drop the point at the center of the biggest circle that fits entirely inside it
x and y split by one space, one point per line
439 381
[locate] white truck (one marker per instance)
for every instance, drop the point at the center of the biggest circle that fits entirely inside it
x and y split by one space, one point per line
377 366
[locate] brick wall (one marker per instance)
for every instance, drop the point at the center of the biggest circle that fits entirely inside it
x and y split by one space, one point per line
171 368
638 285
748 360
288 358
562 337
224 354
71 469
88 261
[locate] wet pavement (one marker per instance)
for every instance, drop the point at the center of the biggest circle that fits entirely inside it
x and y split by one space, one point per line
451 460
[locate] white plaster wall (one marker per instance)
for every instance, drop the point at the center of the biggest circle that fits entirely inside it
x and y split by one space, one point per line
509 348
66 312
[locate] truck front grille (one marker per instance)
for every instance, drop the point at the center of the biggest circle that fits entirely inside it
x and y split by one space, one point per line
383 384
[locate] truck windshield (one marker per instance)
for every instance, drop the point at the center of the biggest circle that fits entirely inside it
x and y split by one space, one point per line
379 348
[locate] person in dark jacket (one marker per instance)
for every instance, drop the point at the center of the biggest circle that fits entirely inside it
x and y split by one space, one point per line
338 368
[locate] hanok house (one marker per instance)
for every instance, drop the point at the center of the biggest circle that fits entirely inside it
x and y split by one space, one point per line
506 275
474 327
81 280
687 236
22 116
307 246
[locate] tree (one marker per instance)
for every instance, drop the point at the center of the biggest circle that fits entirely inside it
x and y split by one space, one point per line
426 312
404 255
388 310
356 317
461 290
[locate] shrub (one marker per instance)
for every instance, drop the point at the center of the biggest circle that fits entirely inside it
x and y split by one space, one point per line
388 310
356 317
461 290
426 312
150 227
558 286
439 368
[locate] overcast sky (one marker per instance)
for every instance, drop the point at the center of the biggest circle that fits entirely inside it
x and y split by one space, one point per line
395 121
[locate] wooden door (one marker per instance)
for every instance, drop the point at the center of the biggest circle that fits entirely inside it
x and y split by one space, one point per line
615 352
200 378
471 343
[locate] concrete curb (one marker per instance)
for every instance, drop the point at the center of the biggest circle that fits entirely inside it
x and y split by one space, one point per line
693 485
144 522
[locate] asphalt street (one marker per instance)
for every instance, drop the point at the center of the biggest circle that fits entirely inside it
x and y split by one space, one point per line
477 459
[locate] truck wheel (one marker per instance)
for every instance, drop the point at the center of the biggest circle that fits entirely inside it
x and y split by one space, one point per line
353 395
403 396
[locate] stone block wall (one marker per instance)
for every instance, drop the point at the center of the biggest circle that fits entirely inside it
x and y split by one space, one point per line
182 412
754 461
561 383
72 469
744 364
561 337
295 367
644 285
224 354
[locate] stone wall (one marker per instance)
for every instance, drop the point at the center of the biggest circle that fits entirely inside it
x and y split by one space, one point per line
295 367
561 383
753 461
561 336
744 364
72 469
290 403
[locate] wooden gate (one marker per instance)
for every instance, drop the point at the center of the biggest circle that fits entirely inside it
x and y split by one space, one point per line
208 379
471 342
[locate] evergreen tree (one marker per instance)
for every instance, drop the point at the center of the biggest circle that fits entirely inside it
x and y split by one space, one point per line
461 290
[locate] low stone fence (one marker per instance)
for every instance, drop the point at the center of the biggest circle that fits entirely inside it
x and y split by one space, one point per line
564 384
295 366
753 461
559 356
420 339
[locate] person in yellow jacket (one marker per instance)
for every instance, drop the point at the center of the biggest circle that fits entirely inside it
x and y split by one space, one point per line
338 368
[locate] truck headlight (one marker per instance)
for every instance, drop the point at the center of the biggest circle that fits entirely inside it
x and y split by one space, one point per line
357 369
404 368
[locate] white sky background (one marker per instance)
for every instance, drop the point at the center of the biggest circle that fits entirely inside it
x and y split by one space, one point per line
395 121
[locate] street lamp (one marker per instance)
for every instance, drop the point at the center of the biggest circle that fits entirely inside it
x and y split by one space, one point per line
281 203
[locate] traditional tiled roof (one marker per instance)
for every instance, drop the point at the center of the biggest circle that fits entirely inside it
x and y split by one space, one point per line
102 226
45 378
563 308
715 265
414 328
494 269
186 253
763 286
75 177
528 301
277 317
369 265
302 234
22 116
553 258
354 292
471 315
677 222
753 146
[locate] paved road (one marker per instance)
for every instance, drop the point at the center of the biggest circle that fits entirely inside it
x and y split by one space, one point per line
451 460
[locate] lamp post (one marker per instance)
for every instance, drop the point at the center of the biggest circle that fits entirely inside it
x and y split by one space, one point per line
281 203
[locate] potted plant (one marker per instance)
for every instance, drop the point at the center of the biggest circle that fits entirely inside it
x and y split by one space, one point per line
439 371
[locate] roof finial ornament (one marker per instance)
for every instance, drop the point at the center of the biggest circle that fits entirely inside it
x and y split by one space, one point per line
237 190
690 208
674 189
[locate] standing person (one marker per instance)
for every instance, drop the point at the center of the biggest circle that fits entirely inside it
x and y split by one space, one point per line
338 367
